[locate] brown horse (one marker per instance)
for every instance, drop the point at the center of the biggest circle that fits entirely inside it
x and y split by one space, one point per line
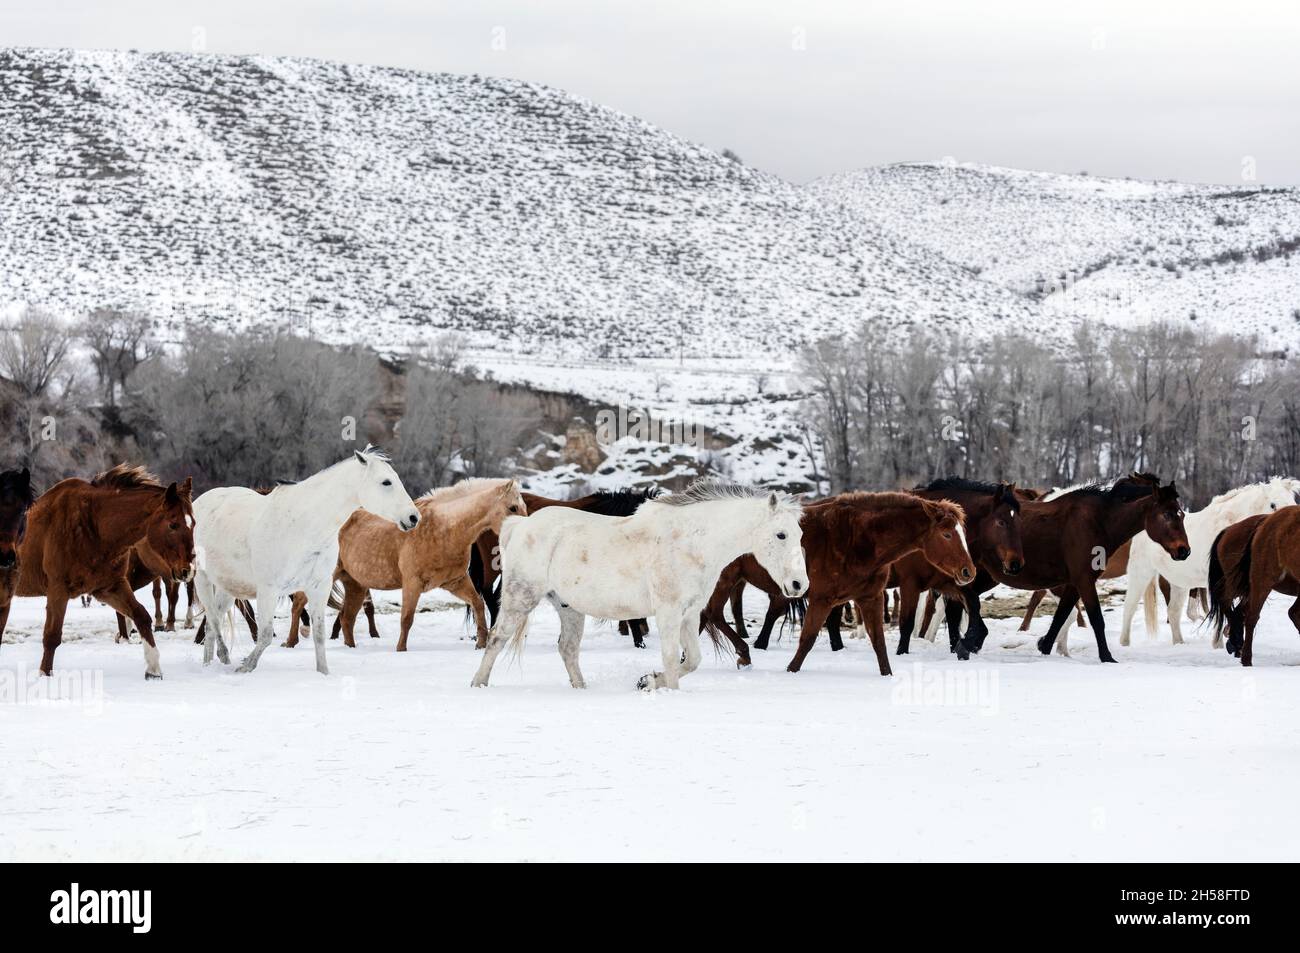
849 542
16 498
144 566
1067 541
79 537
375 554
992 535
485 567
1249 560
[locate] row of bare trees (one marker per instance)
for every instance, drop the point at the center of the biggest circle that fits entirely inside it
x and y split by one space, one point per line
248 409
1207 410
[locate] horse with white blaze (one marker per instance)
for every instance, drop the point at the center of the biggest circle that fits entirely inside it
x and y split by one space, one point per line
662 561
255 546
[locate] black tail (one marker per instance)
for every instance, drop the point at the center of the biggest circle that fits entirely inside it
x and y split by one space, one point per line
491 595
1217 617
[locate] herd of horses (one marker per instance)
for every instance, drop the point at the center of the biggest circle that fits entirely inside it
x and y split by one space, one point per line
679 558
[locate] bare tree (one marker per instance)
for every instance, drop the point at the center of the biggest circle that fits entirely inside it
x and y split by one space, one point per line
119 342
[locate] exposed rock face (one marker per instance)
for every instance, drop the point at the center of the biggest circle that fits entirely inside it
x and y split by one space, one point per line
580 446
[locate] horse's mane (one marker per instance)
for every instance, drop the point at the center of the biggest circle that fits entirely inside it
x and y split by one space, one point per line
891 500
125 477
441 494
710 490
9 480
1132 487
960 483
1290 483
623 502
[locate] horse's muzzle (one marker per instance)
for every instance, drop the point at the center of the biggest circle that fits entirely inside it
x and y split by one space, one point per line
1013 567
965 575
8 559
1182 552
183 575
409 522
795 589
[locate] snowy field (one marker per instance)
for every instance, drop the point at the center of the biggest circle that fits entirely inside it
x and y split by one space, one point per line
1175 753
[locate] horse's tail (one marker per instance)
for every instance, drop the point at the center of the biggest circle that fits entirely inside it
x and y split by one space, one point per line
1149 599
335 601
1220 600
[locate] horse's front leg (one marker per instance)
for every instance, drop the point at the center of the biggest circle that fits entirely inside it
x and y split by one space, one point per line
56 605
813 620
157 602
1092 605
1177 605
670 624
120 597
1059 618
266 599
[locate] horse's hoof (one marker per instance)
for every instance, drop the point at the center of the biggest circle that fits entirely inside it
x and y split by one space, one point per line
1045 645
646 683
963 653
1106 658
149 676
838 648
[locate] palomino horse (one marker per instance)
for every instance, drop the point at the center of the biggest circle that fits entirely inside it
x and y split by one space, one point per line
662 561
851 540
485 566
1249 560
264 546
79 536
16 498
374 555
1147 561
1066 542
992 535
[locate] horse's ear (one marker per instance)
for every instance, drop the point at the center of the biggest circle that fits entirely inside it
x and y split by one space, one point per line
772 501
361 458
172 496
26 476
1169 492
187 488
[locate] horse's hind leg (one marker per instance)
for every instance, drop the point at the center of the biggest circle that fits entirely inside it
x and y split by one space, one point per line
518 600
833 627
691 650
1063 609
122 634
1177 605
189 604
266 600
316 605
297 607
369 607
1031 608
463 589
157 603
737 600
571 625
670 625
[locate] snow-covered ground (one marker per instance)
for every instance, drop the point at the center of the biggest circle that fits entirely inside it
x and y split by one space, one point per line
1176 753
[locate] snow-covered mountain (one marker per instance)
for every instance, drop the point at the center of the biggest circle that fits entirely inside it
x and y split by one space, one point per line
1110 249
576 247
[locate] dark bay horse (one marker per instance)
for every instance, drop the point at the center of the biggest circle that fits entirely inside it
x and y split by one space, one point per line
849 542
79 536
16 498
992 535
485 571
1067 543
1250 559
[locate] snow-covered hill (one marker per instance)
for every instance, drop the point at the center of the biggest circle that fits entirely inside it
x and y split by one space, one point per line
576 247
1110 249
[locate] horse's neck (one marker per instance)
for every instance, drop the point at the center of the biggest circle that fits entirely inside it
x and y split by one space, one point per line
730 526
465 518
887 536
328 497
1120 522
119 521
1205 524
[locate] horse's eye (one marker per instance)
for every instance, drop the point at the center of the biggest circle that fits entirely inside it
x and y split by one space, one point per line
513 508
387 483
947 535
780 535
1002 522
173 526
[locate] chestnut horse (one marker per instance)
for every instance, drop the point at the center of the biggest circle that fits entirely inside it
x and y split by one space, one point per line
16 498
851 539
1067 541
992 535
435 555
1249 560
79 537
485 563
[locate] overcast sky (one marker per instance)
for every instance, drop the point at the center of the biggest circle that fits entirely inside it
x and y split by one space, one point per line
1182 90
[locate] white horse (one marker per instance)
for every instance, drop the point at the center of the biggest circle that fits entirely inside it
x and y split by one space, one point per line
662 561
1147 560
255 546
